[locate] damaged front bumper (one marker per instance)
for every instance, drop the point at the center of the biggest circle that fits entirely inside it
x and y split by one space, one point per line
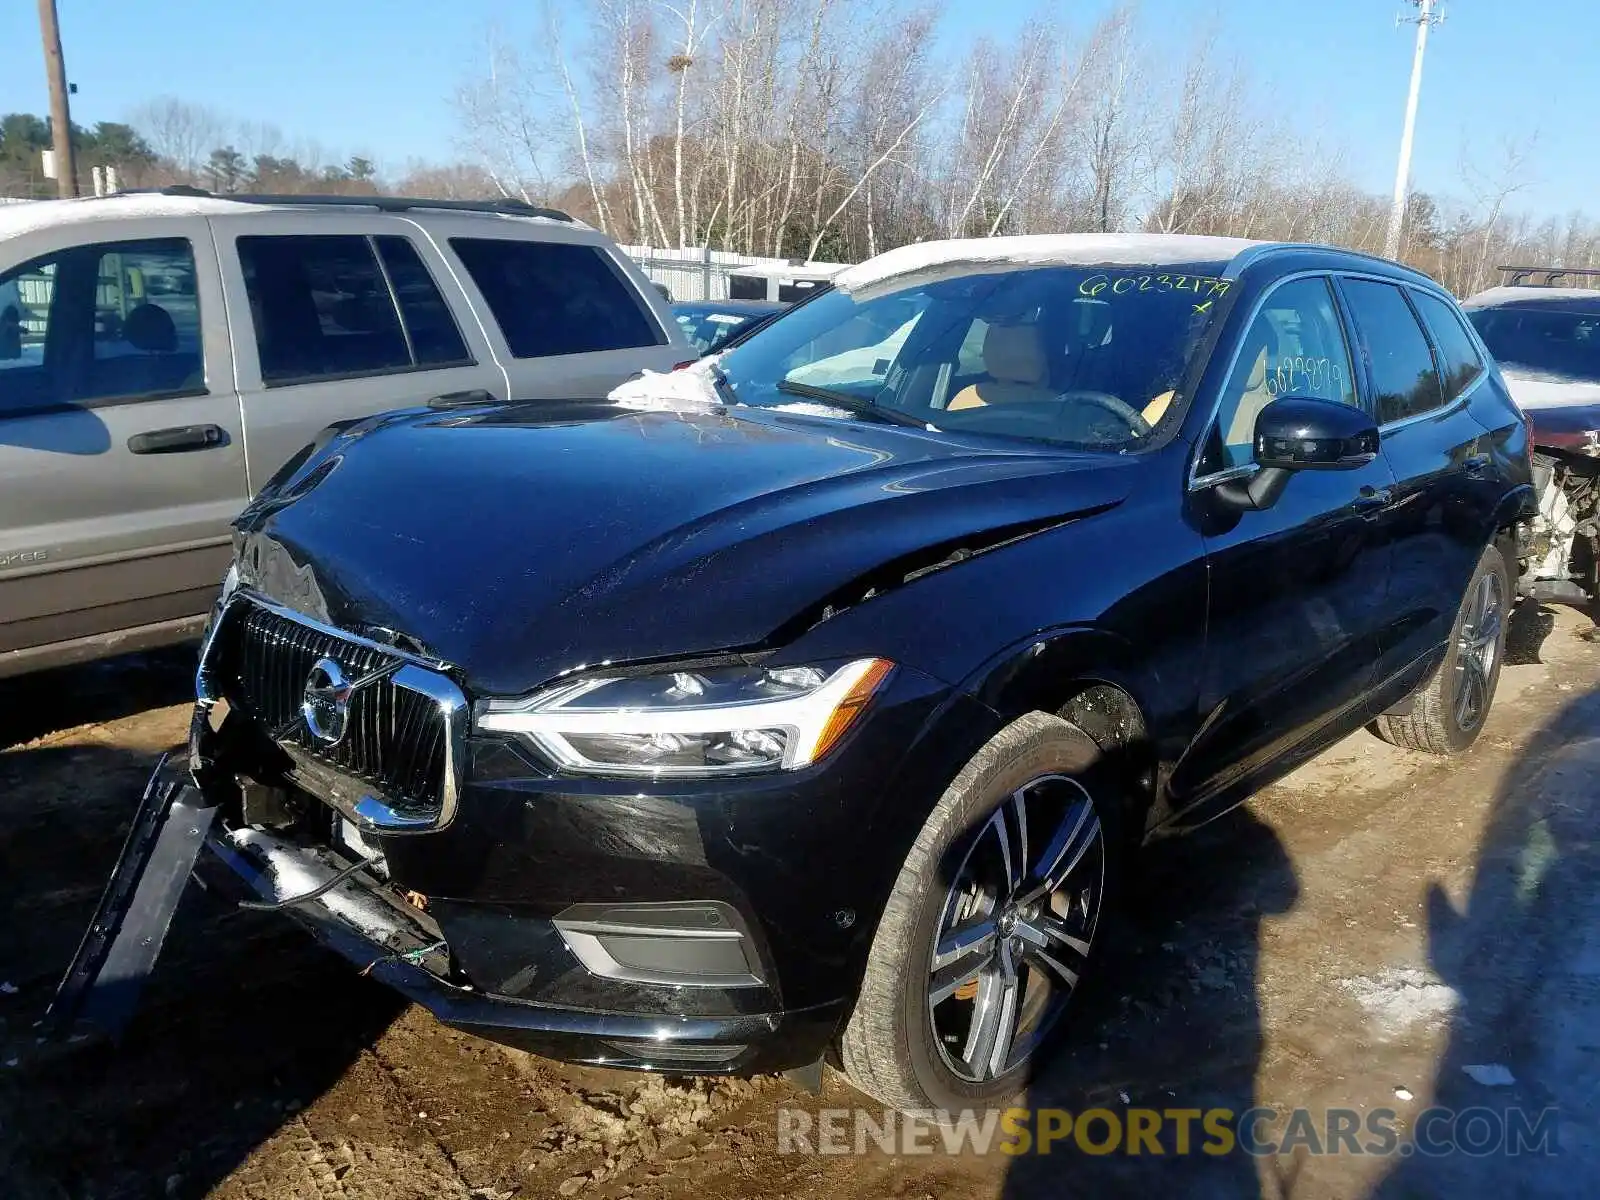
182 826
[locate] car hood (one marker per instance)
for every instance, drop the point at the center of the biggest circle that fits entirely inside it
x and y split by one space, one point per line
518 542
1536 393
1564 412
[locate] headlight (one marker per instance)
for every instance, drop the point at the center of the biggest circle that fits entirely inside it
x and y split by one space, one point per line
230 583
710 722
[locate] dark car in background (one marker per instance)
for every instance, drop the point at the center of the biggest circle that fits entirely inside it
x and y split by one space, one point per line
711 324
793 720
1545 336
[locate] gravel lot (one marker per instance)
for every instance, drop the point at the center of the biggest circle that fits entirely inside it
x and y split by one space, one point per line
1358 936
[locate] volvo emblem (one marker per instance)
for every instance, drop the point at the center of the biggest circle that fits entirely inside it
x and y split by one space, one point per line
325 702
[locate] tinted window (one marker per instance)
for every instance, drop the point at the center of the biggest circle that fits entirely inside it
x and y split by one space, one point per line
1462 363
112 321
1089 356
1404 379
708 327
1535 341
556 297
321 308
1294 347
435 339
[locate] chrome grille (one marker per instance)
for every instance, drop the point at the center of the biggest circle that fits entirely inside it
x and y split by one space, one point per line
396 738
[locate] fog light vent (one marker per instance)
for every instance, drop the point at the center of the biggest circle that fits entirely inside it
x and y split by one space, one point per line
683 943
661 1054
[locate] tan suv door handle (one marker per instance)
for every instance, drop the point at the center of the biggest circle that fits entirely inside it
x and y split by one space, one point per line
178 439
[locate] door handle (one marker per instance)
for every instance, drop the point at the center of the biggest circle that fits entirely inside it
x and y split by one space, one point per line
1371 499
178 439
1477 464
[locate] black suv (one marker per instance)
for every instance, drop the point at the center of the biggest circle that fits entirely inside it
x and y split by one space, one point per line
805 719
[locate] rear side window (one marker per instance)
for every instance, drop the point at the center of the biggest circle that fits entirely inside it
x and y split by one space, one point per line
324 308
1405 382
105 322
435 339
1462 363
554 298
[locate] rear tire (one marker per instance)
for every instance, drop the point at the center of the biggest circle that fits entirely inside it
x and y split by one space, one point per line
1449 712
1005 884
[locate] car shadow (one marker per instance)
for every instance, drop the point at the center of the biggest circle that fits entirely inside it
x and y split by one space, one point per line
45 702
244 1020
1170 1019
70 429
1523 957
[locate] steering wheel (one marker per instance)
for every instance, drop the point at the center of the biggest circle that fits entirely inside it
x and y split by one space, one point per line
1136 423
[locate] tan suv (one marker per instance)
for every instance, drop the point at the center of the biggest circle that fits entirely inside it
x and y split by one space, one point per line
162 354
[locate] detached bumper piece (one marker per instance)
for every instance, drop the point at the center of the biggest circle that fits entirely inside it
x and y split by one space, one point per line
102 985
348 908
403 947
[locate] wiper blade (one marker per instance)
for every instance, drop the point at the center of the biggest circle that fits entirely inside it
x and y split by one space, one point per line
854 403
719 380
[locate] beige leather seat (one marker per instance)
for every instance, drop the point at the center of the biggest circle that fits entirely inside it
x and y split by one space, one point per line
1013 358
1255 397
1157 408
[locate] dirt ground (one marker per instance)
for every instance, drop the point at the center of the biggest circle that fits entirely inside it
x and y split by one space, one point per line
1379 930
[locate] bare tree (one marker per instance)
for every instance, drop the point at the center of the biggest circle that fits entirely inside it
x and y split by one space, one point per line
183 133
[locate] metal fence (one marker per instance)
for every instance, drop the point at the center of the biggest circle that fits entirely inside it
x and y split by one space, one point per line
701 273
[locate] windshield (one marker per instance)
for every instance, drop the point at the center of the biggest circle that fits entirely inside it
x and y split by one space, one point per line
1537 341
1090 356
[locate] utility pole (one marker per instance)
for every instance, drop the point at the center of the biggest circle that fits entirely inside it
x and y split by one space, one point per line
60 117
1429 13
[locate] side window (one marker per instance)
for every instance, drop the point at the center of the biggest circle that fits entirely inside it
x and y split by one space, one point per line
27 297
1462 363
112 321
435 337
321 308
553 298
146 322
1405 381
1295 346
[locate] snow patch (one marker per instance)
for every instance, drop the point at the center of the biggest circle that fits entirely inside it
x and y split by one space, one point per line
688 390
1546 391
1399 999
1507 295
1070 249
292 874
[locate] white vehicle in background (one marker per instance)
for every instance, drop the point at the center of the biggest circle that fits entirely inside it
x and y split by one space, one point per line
1543 328
162 355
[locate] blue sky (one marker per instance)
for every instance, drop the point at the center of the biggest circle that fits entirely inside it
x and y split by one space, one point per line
376 76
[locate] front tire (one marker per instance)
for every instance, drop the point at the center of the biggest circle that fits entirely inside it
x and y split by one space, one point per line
1449 712
990 925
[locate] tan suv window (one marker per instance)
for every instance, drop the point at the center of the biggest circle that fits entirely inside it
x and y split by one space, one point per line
113 321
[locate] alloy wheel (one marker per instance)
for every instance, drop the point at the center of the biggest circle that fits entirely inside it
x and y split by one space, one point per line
1478 651
1016 927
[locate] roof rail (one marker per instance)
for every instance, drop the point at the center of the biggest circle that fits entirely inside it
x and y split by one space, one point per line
504 206
1250 253
1552 276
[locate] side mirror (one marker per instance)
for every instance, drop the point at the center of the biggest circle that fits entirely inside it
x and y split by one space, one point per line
1304 433
1301 433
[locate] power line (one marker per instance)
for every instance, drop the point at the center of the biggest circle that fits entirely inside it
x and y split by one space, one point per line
1429 13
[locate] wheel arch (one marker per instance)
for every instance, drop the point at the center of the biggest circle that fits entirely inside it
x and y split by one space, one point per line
1094 679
